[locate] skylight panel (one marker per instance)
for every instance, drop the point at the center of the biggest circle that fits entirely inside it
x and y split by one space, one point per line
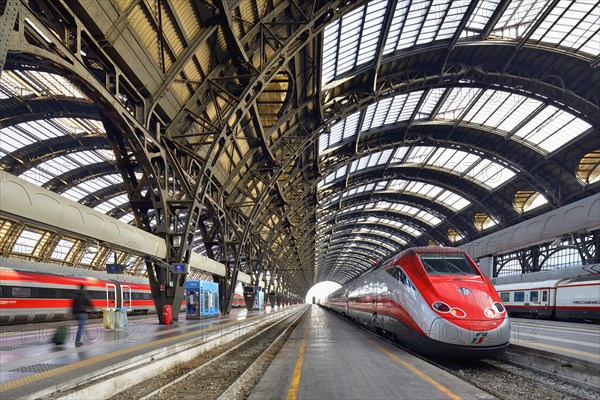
480 17
551 129
36 176
26 242
518 17
334 175
452 200
489 173
420 154
431 99
62 249
47 84
11 138
410 105
416 17
74 194
352 40
399 155
489 103
572 25
457 102
519 113
450 12
371 31
396 26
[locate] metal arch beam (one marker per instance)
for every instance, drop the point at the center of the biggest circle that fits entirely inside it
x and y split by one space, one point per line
408 198
406 219
529 82
76 176
355 225
130 137
492 146
341 250
27 109
468 190
102 195
36 153
368 239
347 231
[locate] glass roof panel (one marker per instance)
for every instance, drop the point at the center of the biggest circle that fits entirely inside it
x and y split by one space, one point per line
62 249
39 84
573 25
352 40
481 15
552 128
518 17
26 242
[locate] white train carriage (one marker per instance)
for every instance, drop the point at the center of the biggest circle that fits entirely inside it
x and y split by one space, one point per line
565 298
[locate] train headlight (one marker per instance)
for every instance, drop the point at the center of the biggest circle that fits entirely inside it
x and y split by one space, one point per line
458 313
490 312
441 307
499 307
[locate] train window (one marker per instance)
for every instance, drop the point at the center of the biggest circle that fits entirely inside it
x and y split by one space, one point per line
21 292
146 296
519 296
46 293
545 295
446 264
505 296
1 291
534 296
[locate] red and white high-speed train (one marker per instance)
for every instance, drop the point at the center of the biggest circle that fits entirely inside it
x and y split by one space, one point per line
435 300
29 296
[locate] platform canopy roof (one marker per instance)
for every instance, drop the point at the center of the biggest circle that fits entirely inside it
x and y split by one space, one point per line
310 140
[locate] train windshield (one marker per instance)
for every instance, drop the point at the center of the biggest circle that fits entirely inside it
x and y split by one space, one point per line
447 264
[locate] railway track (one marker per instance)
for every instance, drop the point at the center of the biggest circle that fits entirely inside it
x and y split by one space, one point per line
229 371
502 378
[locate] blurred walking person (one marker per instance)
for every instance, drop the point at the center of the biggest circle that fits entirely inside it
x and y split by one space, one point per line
81 304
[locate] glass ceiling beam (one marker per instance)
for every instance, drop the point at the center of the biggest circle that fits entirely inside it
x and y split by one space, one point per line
75 176
18 111
34 154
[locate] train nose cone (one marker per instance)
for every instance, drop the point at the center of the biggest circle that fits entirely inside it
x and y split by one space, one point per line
471 333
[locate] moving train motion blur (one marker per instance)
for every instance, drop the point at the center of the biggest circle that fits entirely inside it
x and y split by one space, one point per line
434 300
29 296
546 294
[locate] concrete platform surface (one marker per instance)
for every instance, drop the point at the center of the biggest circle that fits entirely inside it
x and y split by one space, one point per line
329 358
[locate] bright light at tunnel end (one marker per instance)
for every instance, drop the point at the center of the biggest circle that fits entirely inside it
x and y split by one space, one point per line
321 290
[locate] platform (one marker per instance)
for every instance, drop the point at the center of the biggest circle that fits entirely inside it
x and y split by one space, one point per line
328 358
31 366
576 340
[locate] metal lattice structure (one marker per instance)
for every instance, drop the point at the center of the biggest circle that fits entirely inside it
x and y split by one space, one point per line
309 140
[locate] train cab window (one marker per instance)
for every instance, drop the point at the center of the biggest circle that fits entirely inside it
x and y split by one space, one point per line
544 295
534 296
519 296
21 292
505 296
446 264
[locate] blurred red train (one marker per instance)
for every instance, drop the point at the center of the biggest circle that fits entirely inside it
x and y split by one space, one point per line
27 296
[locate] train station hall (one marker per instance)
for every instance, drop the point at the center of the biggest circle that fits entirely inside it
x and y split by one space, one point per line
284 199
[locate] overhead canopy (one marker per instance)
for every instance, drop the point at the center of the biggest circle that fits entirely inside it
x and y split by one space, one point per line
319 138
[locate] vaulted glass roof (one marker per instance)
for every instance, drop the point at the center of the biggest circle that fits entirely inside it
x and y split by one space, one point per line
373 180
524 119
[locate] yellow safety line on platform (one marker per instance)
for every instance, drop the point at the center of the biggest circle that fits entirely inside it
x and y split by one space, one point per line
549 346
80 364
293 390
416 371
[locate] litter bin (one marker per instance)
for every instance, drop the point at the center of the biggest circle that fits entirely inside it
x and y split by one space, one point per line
121 319
167 314
109 318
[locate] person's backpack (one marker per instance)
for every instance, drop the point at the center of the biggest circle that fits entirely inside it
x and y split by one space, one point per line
60 336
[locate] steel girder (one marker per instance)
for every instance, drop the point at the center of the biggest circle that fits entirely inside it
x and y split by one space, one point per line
25 110
36 153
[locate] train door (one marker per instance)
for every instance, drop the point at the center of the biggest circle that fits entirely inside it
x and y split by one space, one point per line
111 296
127 299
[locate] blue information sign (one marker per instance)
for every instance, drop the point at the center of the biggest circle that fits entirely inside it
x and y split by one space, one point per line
179 268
